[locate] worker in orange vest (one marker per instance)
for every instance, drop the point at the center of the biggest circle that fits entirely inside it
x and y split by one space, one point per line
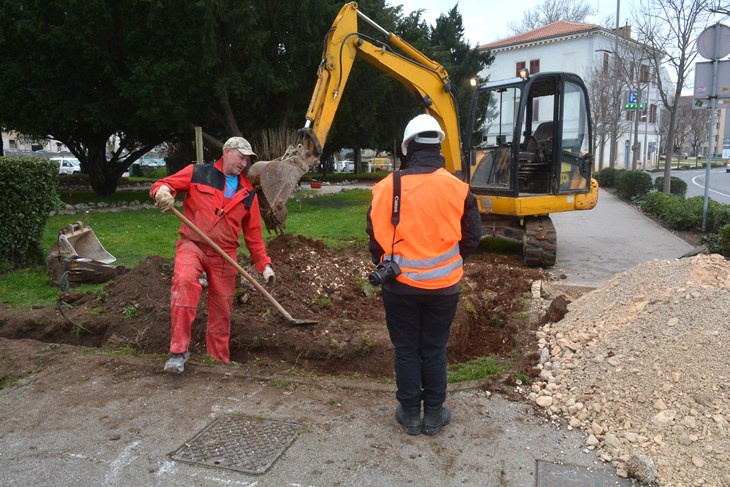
423 222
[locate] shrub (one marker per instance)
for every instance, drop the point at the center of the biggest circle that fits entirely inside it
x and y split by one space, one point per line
607 177
724 233
656 203
718 215
632 184
29 189
676 185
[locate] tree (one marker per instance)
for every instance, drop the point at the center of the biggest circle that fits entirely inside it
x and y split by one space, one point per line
82 75
673 42
462 61
606 114
550 11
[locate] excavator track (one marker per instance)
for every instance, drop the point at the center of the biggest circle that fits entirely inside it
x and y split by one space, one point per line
540 245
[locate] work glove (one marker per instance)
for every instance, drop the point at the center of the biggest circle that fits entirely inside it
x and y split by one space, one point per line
269 276
164 199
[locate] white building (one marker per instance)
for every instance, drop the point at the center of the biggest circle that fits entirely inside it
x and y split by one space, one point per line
582 49
21 145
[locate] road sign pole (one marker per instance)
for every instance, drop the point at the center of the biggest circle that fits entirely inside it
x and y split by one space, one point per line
713 108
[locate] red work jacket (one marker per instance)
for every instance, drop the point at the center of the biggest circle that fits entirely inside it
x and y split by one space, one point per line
222 219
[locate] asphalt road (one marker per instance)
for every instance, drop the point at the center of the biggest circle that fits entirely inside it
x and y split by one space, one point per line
718 190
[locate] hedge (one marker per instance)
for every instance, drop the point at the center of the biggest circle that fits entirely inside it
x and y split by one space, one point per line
29 193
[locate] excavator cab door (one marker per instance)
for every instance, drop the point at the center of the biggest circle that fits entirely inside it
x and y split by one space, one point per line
530 137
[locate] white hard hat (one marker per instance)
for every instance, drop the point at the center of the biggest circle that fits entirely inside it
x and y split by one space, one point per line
419 124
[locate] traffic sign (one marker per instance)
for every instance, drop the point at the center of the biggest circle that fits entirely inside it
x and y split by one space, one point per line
703 84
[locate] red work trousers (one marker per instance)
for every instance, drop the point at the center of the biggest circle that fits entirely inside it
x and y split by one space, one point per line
191 260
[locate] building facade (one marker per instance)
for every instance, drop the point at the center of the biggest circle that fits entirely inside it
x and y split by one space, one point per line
590 51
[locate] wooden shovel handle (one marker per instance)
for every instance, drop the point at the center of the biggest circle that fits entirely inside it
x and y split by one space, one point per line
233 262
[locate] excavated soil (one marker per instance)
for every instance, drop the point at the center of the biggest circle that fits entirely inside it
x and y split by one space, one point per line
313 282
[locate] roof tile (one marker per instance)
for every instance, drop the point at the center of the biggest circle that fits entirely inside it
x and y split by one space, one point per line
556 29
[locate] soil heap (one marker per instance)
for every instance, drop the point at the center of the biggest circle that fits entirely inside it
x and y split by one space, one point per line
313 282
642 365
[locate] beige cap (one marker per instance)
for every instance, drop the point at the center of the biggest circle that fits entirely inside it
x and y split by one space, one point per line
241 144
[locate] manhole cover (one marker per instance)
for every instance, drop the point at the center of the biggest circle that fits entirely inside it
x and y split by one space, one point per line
563 475
241 443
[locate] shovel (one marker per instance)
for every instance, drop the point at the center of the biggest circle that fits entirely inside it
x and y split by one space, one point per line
245 274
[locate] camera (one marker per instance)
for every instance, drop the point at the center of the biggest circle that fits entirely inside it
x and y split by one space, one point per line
384 272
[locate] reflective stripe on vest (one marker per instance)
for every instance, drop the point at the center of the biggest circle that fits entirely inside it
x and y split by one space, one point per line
435 264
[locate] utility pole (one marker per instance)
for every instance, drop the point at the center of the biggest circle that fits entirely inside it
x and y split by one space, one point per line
646 124
635 145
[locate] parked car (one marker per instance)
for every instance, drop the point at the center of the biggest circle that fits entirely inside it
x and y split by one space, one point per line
152 162
67 165
346 165
727 166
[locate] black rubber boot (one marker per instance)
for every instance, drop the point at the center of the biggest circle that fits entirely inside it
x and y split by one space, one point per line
433 420
410 420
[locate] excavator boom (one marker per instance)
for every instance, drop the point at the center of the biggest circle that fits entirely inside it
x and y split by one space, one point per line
426 79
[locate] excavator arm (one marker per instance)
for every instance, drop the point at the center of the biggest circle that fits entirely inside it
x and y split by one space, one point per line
426 79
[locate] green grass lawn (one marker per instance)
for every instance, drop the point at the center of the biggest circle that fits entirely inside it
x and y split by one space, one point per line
133 235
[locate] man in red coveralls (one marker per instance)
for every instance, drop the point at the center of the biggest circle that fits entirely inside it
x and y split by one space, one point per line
221 201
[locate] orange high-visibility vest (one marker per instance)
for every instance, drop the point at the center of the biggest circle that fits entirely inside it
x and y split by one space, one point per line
428 234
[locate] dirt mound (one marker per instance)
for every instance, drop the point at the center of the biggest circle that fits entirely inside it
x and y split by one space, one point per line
313 282
641 364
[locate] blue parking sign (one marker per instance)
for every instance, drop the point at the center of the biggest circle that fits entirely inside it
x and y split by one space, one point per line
633 97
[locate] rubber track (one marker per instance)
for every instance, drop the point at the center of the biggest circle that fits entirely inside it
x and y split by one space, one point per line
541 242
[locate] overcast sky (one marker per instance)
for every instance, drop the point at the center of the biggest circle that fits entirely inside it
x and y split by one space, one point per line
486 20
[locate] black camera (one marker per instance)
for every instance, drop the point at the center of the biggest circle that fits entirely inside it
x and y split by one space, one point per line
384 272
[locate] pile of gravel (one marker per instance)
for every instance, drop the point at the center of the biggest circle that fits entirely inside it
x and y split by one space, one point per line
642 366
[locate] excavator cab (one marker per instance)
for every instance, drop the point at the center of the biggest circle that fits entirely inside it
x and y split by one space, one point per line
531 136
529 155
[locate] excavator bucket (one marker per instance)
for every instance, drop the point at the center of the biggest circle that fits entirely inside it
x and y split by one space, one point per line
78 257
275 182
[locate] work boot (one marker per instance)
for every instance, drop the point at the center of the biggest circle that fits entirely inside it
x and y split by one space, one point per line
434 419
176 363
411 421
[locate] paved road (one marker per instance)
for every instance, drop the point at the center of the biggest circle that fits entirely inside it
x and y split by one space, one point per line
719 189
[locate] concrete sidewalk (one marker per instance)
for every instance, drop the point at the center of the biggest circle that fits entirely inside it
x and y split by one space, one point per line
613 237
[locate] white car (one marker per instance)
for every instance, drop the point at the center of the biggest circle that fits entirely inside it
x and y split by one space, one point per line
67 165
727 166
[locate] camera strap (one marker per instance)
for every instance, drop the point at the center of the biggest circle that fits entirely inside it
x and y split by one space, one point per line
395 216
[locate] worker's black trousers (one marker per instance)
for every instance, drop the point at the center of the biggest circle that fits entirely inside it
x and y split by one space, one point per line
419 330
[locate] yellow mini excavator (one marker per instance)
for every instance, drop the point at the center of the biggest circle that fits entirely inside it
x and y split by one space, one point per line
525 152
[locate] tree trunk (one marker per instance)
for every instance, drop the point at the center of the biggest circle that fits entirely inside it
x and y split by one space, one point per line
103 176
669 151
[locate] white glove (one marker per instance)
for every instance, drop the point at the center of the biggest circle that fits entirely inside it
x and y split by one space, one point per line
269 276
164 199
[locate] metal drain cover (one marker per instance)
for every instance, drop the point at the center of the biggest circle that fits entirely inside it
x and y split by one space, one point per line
241 443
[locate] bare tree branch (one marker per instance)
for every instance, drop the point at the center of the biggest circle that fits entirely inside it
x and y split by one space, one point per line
550 11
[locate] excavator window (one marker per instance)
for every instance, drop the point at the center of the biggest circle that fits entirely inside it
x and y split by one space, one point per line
575 162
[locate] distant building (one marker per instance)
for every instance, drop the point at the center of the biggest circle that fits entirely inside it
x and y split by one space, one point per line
15 143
